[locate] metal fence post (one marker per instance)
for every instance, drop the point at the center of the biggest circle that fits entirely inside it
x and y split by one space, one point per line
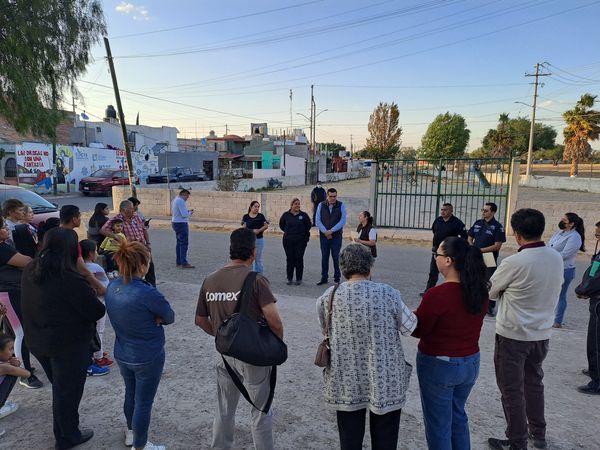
513 189
373 191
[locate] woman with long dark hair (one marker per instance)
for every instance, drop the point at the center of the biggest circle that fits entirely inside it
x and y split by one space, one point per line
367 234
450 318
256 221
569 240
60 310
97 221
137 312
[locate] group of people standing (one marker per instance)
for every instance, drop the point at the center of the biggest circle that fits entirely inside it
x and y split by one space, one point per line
55 304
62 300
329 215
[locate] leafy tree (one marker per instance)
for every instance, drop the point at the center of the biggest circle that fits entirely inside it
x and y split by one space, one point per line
515 133
502 139
333 147
554 154
480 153
583 125
44 47
446 137
408 153
384 139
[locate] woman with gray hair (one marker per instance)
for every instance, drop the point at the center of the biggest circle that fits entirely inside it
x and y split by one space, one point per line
367 370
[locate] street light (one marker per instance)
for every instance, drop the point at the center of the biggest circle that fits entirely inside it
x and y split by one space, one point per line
531 131
313 125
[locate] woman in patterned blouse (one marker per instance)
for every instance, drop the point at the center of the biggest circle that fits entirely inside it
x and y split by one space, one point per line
367 369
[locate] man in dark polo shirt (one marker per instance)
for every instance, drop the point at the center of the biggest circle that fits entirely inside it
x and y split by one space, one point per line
331 218
488 235
446 225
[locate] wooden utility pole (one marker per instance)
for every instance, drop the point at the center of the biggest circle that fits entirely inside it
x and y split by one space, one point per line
532 130
126 145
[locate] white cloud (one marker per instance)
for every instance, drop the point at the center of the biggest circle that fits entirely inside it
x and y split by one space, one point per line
138 12
547 103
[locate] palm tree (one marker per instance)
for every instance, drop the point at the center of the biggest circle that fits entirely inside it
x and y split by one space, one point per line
502 139
583 125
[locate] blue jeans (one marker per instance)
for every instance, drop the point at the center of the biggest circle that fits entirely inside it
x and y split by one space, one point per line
569 275
445 387
141 383
181 234
330 246
258 262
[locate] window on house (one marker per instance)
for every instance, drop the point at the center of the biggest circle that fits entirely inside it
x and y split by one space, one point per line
98 129
10 168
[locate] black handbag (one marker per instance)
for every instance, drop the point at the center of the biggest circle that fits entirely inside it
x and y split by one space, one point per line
590 283
243 338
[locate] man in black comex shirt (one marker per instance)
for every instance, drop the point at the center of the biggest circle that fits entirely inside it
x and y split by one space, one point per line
488 235
446 225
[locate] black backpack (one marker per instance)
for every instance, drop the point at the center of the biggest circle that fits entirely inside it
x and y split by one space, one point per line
590 283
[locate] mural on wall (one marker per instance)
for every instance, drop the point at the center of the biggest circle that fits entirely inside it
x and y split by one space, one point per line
35 168
34 165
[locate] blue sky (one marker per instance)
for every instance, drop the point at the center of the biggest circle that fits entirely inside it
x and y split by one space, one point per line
233 62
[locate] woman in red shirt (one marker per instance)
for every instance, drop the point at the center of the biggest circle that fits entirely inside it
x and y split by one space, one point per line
450 319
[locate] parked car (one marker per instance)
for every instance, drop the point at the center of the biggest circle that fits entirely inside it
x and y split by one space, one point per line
102 181
176 175
42 209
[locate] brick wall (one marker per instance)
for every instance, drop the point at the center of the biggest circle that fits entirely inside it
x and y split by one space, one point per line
230 206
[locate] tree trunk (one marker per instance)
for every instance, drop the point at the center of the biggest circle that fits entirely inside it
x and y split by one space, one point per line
574 167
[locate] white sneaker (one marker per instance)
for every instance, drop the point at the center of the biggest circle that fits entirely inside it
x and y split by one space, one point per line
128 438
151 446
8 408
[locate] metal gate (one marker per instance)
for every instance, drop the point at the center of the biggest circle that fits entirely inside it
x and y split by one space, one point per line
410 193
312 172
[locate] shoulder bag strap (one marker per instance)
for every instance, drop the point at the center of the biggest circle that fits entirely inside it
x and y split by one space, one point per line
246 293
329 311
238 383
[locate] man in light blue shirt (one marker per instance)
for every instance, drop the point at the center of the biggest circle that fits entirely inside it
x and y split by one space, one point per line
330 218
180 217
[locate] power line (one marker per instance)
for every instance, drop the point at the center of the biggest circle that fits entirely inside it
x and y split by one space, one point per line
180 103
257 71
386 44
437 47
211 22
314 31
572 74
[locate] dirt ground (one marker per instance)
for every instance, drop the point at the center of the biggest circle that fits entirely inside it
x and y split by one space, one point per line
184 405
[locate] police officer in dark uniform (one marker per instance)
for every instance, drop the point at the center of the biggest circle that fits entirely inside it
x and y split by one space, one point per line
488 235
446 225
317 196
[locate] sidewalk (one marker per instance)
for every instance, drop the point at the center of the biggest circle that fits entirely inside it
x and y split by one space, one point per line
184 406
391 235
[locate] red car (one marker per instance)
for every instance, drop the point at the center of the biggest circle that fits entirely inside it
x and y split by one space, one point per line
102 181
42 209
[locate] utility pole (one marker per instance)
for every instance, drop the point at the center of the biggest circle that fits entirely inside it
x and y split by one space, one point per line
283 163
74 114
291 113
351 147
531 131
312 122
113 75
226 130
